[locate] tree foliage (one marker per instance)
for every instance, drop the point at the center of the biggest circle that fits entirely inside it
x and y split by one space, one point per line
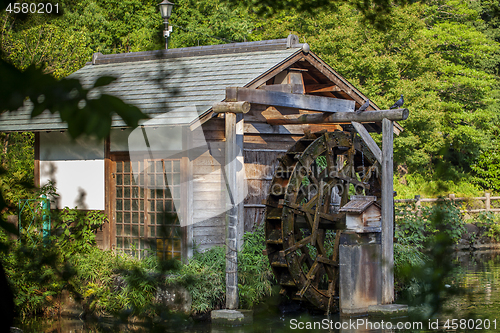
432 53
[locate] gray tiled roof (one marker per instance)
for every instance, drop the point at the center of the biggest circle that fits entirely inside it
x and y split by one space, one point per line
173 81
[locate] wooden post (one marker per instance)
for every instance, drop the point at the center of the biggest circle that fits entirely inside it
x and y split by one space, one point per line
234 213
418 205
387 213
488 201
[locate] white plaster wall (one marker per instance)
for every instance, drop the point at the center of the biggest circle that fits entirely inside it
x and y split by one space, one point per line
118 139
156 139
76 168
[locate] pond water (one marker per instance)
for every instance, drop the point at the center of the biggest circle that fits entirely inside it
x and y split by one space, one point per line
475 309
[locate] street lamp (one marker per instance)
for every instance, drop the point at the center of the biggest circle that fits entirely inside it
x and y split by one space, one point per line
166 11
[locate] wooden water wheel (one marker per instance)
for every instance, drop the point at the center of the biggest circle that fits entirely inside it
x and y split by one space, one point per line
303 225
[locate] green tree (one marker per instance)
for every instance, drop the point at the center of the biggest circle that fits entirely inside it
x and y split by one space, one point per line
41 41
209 22
115 26
433 54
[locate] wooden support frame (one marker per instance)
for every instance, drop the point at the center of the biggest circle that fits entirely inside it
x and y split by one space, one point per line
277 98
342 117
387 296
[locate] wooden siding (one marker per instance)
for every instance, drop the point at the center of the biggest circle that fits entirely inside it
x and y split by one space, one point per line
208 189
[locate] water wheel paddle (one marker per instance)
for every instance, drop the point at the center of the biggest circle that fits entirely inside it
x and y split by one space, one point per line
303 225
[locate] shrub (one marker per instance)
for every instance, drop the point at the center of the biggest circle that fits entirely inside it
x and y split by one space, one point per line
415 228
255 276
488 222
204 277
74 230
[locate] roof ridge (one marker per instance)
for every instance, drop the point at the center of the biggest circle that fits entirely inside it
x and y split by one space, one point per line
292 41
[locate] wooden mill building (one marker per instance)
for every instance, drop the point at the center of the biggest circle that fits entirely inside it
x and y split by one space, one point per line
183 144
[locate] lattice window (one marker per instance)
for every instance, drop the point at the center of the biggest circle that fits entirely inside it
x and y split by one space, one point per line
146 219
163 220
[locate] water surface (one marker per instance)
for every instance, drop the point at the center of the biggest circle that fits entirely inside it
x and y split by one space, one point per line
475 309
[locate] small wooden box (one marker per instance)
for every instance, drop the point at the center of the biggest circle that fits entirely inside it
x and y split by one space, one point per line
363 214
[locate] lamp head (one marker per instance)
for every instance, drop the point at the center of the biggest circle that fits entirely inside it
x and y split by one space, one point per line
166 9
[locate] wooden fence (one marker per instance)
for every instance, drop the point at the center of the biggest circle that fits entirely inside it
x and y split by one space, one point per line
472 204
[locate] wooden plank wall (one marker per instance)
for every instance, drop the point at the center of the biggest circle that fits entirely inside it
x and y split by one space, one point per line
260 166
209 188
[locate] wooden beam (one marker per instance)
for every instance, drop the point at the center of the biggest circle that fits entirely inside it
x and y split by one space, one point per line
314 88
286 88
367 138
387 296
233 107
342 117
306 102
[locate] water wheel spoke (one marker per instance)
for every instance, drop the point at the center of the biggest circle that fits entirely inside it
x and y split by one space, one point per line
330 156
322 256
309 213
347 178
311 202
298 245
309 278
345 169
331 292
368 174
327 261
312 177
335 255
309 261
314 231
303 258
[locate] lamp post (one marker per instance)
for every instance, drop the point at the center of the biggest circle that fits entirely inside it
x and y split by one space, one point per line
166 11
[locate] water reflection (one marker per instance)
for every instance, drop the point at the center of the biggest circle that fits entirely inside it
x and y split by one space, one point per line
479 276
478 273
